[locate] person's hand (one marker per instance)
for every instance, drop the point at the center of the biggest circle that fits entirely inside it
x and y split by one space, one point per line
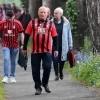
55 53
21 47
22 11
24 52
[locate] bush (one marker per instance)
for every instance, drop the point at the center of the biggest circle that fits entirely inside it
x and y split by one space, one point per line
72 14
88 73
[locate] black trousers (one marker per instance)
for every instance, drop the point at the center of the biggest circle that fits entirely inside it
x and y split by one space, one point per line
36 66
58 67
58 64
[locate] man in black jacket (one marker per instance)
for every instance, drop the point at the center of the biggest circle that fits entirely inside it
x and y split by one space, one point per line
24 18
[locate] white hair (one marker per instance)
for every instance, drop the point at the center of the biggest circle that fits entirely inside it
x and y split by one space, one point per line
59 9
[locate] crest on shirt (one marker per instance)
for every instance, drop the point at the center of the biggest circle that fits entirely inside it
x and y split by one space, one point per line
9 32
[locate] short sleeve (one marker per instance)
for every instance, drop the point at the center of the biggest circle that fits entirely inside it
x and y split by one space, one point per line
20 28
53 30
29 28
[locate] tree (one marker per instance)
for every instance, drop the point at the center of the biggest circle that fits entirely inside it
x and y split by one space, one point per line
25 2
76 13
33 7
93 14
52 4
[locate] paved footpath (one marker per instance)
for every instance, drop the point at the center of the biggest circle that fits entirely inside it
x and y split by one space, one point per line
66 89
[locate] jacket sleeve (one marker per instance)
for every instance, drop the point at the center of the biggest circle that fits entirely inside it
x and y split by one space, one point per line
26 39
70 41
55 43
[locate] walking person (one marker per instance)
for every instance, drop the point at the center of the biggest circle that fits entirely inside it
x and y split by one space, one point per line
64 42
10 28
42 31
24 17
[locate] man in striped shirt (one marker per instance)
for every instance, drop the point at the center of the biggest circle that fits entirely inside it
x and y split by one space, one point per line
42 31
10 29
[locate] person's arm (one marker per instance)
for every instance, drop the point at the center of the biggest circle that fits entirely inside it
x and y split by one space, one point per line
55 40
26 39
27 35
19 16
21 31
70 41
55 43
22 38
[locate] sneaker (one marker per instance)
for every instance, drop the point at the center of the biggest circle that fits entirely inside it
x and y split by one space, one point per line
12 80
5 79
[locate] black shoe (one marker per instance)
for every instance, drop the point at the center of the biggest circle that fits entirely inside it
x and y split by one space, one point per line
47 89
38 92
56 78
61 78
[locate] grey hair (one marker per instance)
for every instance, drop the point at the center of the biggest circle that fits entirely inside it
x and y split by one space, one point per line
59 9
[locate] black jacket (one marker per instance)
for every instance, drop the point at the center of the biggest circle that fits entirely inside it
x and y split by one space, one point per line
24 19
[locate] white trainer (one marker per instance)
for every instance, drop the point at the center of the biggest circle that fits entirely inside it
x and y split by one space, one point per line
5 79
12 79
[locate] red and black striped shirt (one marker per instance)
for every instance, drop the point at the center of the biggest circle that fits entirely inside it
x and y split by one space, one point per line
10 32
41 35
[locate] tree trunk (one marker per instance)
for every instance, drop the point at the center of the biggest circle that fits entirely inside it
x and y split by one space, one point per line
93 13
52 4
79 38
46 3
33 7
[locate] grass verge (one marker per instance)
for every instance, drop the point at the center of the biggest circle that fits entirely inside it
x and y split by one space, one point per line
2 92
87 73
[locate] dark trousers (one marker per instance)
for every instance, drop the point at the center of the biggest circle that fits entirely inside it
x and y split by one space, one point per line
36 66
58 67
58 64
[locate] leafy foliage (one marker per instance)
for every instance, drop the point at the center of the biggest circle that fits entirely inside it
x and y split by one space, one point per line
18 2
25 2
72 14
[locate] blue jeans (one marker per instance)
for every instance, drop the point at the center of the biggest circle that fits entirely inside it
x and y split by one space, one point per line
9 54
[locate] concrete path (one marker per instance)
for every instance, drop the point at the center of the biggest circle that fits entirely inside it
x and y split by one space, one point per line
66 89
